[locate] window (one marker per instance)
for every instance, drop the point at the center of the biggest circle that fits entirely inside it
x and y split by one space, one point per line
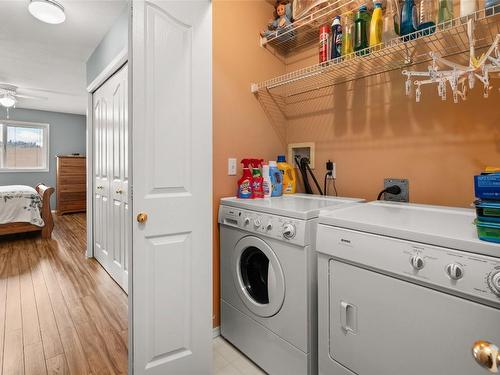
24 147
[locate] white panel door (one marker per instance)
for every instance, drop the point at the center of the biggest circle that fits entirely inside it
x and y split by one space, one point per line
111 129
118 130
101 178
172 184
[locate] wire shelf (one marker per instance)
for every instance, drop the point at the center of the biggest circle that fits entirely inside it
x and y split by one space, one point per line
448 39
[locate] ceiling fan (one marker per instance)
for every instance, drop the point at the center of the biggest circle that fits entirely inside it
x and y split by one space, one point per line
9 95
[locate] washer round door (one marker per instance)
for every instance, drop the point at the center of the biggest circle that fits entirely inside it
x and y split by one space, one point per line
258 276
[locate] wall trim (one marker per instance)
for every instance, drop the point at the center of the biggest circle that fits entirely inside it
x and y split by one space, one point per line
90 178
216 332
109 70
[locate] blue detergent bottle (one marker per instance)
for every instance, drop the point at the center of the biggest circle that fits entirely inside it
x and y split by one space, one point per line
276 179
409 22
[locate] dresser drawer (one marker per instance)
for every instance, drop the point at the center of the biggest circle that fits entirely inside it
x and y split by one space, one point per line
72 162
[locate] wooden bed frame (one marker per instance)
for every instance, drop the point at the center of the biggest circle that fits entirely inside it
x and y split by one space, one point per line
45 192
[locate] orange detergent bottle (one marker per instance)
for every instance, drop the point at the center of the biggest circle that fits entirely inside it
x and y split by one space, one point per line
289 176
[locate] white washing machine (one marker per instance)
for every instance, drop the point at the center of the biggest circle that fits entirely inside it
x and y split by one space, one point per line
406 289
268 279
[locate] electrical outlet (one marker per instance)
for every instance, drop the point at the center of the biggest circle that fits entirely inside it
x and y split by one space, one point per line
403 183
334 171
231 167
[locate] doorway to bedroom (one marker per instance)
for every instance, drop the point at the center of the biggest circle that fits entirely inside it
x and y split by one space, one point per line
61 309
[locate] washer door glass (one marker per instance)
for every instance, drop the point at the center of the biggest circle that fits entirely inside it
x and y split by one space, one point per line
258 276
254 266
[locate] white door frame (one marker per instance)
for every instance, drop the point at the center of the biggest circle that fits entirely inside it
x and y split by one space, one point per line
121 59
107 72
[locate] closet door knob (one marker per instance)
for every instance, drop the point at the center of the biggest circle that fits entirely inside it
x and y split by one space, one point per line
142 217
119 191
486 355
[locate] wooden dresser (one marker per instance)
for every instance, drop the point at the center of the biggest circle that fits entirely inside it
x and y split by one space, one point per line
71 188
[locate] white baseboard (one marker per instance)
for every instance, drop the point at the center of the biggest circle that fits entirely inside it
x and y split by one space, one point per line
216 332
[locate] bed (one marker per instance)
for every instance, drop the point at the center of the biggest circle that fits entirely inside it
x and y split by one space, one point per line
24 209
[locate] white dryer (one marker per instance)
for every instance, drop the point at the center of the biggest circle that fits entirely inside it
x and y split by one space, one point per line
406 289
268 279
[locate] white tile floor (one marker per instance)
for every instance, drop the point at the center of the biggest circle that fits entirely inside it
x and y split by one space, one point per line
230 361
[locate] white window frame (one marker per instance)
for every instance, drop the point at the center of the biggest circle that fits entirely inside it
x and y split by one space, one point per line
46 141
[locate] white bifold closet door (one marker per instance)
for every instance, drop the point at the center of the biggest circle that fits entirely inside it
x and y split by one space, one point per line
111 224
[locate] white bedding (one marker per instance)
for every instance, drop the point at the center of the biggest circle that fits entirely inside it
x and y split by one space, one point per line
19 203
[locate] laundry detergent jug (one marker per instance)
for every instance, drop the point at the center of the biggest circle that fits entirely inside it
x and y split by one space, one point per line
276 180
289 175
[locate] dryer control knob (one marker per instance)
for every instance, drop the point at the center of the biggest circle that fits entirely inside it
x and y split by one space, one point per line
494 282
417 262
289 231
257 223
455 271
269 226
246 221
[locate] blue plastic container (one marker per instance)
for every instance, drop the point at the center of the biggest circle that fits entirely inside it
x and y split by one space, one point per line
488 231
488 211
487 186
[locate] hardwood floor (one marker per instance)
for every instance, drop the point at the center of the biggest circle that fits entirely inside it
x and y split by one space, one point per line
60 313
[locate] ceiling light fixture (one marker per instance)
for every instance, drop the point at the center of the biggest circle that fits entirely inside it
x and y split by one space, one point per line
7 100
48 11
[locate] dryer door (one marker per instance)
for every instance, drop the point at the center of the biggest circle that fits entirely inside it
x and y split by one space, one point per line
258 276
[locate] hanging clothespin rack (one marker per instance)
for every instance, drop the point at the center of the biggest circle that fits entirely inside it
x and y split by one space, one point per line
459 77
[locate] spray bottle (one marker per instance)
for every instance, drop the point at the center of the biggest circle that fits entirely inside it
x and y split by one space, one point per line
245 183
257 186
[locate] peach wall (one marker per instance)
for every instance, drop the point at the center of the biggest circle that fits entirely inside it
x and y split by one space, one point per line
240 127
371 130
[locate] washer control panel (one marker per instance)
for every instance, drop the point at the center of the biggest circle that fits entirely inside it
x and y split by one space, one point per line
278 227
463 273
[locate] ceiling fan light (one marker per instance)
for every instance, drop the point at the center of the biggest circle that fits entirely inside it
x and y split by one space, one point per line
48 11
8 101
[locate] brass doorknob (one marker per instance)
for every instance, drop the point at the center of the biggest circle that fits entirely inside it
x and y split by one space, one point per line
119 191
142 217
487 355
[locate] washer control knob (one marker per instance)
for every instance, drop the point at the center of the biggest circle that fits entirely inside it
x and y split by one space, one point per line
455 271
257 223
289 231
246 221
494 282
269 226
417 262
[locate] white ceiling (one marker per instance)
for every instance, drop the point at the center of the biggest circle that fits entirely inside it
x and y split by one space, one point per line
49 60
